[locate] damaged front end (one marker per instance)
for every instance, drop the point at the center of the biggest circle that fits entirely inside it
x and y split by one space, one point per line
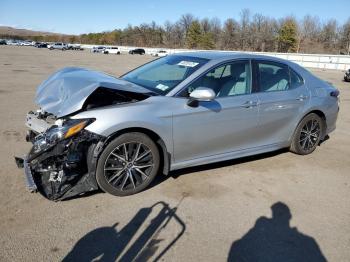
61 163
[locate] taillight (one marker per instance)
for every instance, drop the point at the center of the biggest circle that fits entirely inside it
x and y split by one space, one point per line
335 93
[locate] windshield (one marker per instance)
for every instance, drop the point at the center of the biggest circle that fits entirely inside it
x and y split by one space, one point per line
162 75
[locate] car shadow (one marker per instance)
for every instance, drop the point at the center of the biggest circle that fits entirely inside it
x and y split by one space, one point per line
129 243
272 239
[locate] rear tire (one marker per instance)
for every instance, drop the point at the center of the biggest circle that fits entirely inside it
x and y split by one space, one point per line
307 135
128 164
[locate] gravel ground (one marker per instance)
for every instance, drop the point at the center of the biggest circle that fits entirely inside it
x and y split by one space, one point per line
270 206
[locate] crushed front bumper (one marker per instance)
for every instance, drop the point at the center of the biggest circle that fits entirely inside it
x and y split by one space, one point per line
64 170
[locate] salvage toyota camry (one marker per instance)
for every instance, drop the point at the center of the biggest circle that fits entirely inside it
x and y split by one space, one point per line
93 130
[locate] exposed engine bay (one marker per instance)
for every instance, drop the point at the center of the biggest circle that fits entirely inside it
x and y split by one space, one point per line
62 162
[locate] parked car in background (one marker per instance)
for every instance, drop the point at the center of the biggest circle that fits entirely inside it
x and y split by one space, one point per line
74 47
40 45
59 46
13 42
137 51
347 76
26 43
3 42
97 131
160 53
98 49
111 50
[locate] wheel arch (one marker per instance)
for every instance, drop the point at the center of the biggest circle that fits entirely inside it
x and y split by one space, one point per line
322 115
318 112
165 156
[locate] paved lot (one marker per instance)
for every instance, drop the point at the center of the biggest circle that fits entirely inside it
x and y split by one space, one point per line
209 213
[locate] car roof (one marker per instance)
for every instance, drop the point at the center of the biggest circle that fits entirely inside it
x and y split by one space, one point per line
229 55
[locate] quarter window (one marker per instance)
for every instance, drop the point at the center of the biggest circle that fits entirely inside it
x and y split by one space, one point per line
295 79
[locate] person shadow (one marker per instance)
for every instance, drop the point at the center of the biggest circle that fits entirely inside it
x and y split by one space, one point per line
272 239
109 244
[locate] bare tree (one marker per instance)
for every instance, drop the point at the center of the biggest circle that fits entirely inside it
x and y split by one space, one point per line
345 37
230 34
186 21
245 29
205 24
215 25
308 31
257 33
329 35
167 36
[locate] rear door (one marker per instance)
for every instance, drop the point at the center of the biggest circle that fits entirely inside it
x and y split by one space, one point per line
282 97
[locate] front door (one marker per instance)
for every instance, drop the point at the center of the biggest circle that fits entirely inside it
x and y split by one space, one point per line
226 124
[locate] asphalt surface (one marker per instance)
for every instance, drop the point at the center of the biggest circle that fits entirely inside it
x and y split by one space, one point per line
277 206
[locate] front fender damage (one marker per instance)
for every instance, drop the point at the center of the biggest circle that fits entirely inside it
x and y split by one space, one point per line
64 170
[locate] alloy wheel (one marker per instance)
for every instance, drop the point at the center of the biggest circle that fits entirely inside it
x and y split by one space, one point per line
310 134
128 166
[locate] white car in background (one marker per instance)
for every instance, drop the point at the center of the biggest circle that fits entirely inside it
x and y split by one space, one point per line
12 42
112 50
74 47
98 49
59 46
26 43
160 53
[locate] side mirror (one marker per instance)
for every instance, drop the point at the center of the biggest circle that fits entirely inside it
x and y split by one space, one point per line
201 94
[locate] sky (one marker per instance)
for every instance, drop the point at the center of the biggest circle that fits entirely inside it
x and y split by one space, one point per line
77 17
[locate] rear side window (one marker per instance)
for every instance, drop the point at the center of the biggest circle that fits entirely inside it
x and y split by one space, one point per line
273 76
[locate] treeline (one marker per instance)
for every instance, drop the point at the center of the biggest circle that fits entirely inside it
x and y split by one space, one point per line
251 32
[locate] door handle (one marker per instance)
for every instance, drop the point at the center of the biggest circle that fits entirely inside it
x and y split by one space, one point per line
302 97
250 104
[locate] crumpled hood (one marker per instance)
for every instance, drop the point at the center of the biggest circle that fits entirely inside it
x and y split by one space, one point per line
65 91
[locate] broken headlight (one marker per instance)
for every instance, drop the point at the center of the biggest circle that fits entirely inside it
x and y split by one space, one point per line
58 132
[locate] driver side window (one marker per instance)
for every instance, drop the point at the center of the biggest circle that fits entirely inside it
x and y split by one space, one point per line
227 80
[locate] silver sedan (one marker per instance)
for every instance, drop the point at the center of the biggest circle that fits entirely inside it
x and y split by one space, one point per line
97 131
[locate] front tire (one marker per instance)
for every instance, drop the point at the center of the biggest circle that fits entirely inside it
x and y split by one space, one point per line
307 135
128 164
